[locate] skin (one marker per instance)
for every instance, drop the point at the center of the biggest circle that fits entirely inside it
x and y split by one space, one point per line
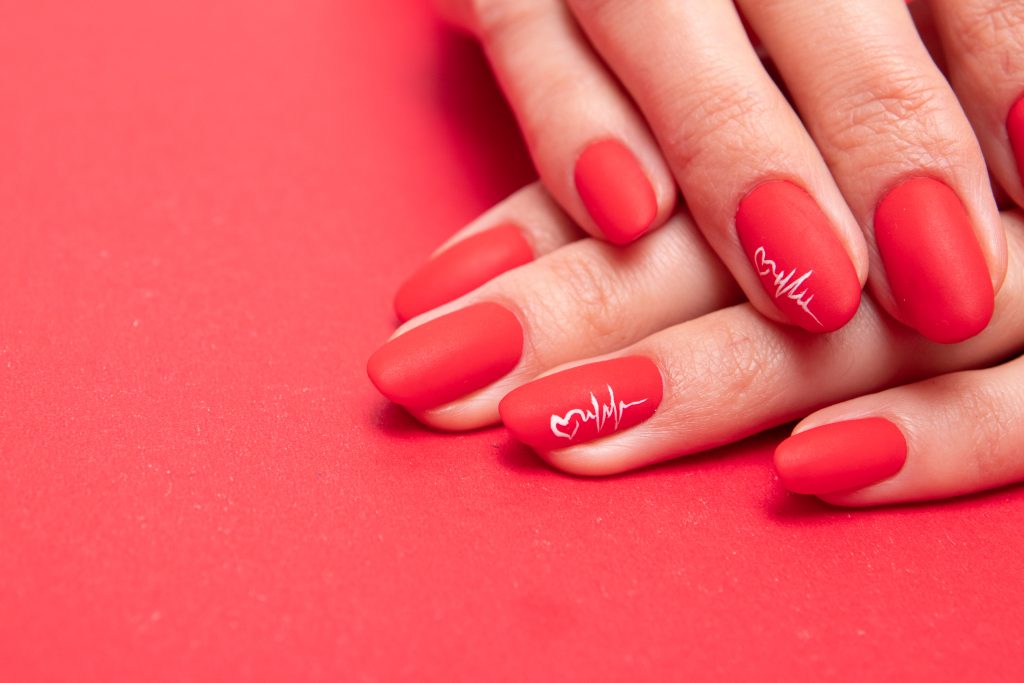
857 105
583 69
730 373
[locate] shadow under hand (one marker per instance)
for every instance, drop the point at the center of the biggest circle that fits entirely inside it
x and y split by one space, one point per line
483 133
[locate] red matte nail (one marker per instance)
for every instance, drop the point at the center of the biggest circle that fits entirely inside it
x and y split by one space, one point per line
615 190
448 357
842 456
933 261
461 268
583 403
1015 129
802 264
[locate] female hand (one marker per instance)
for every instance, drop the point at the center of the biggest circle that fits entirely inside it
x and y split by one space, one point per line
632 377
877 163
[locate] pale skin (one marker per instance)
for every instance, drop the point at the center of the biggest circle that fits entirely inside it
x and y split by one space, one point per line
729 369
681 85
730 373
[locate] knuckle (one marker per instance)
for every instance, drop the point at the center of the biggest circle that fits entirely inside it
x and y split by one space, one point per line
904 108
996 425
584 302
980 26
721 118
741 360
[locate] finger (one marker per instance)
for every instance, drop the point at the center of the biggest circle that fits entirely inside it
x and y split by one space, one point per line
901 149
984 44
731 374
591 147
750 173
523 227
451 366
951 435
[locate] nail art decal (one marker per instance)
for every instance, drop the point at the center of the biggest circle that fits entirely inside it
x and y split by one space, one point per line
785 285
600 414
798 257
583 403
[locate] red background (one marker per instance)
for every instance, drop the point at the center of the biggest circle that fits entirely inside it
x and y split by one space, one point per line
205 208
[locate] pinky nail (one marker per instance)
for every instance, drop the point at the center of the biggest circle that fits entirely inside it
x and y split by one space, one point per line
461 268
842 456
448 357
583 403
933 261
615 190
794 250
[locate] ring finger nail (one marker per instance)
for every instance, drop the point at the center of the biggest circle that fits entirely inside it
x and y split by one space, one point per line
842 456
933 261
794 250
583 403
448 357
615 190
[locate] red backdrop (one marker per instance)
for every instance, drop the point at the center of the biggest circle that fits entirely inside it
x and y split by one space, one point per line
205 208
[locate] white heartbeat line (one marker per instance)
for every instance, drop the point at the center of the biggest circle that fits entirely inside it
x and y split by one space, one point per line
599 414
785 285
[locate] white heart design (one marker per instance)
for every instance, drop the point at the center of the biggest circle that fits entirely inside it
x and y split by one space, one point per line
557 422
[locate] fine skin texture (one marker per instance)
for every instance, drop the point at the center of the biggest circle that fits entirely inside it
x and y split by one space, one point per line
867 108
728 373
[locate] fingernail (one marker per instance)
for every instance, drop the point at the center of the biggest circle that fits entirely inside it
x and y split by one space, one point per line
615 190
842 456
794 250
1015 129
448 357
461 268
583 403
933 261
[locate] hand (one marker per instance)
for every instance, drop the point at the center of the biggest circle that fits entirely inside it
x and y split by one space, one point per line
632 377
616 97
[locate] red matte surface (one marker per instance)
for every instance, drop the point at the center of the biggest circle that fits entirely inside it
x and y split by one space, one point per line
461 268
616 191
933 261
583 403
448 357
841 456
803 266
205 209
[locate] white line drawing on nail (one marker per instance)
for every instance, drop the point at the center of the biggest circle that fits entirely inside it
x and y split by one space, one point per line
599 414
785 285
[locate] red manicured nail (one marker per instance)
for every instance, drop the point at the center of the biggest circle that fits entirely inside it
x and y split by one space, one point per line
583 403
1015 129
461 268
448 357
802 264
934 263
843 456
615 190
